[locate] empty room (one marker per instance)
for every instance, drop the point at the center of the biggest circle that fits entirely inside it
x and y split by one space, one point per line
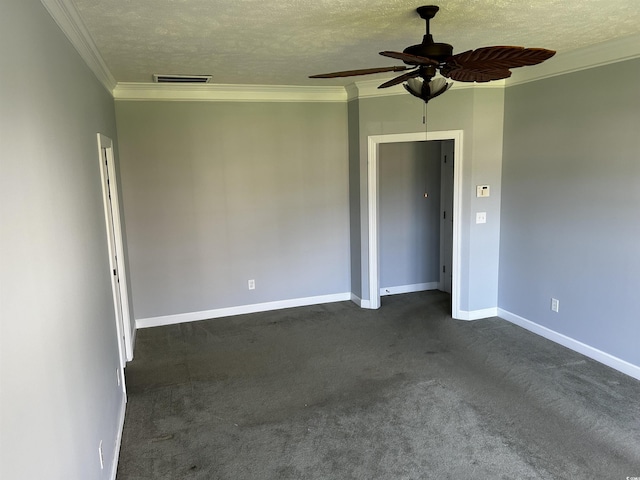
319 240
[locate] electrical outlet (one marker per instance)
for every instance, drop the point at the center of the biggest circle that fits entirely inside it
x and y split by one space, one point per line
481 217
555 305
101 456
252 284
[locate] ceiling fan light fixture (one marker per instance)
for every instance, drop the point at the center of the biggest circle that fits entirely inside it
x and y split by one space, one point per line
426 90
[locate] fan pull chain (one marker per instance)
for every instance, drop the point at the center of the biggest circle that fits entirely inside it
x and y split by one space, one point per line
426 134
424 117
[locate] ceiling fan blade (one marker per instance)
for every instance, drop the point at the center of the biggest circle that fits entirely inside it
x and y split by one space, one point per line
364 71
499 58
480 76
410 59
402 78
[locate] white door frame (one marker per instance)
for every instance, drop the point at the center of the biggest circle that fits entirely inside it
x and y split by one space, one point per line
116 249
374 216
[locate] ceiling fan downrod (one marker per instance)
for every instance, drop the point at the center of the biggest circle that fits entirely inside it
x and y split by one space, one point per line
427 12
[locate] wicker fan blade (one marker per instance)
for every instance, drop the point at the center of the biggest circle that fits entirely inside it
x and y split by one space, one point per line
499 58
410 59
402 78
465 75
364 71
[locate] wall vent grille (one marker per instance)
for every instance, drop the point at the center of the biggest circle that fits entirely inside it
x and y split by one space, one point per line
158 78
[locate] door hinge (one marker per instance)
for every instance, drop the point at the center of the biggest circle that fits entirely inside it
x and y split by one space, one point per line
114 271
444 215
444 269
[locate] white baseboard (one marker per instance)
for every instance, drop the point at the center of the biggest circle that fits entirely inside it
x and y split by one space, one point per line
417 287
575 345
360 302
118 442
240 310
477 314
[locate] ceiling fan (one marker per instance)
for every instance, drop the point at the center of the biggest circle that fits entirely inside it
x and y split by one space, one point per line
425 59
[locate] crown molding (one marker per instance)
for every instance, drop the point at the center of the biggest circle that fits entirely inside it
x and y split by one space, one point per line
66 16
369 88
227 93
605 53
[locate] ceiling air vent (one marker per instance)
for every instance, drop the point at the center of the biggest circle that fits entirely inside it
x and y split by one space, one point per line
157 78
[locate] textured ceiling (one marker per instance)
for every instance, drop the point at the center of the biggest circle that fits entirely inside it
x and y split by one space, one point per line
281 42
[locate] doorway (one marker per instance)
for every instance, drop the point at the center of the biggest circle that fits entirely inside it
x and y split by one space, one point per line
454 159
410 194
116 250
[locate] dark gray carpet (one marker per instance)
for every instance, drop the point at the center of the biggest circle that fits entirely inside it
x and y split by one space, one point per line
404 392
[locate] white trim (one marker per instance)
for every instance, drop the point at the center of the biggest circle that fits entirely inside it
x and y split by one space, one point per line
112 217
68 19
361 303
352 91
575 345
477 314
372 189
605 53
369 88
372 208
416 287
239 310
118 442
214 92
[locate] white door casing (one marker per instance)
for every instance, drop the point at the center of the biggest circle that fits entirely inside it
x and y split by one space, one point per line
116 249
373 212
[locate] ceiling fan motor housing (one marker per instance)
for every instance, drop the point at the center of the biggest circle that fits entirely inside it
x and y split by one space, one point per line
428 48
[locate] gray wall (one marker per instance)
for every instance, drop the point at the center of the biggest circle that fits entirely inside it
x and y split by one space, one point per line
218 193
355 239
570 206
479 113
409 223
58 348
